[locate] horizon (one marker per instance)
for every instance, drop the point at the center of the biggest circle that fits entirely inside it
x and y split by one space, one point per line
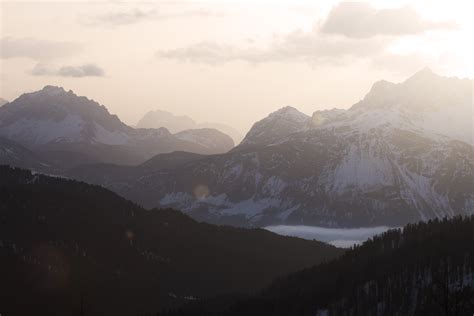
242 132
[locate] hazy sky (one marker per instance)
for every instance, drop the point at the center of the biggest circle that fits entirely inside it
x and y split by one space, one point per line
231 61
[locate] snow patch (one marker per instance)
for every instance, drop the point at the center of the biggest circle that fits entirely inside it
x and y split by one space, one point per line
104 136
38 132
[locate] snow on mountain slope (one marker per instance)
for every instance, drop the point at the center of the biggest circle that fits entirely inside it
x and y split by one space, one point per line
57 121
377 163
52 115
37 132
279 124
15 155
426 103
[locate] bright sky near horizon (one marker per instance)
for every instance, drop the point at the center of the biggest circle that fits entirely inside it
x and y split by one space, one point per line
229 61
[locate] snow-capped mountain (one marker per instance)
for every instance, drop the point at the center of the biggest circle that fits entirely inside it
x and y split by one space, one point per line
54 121
277 125
179 123
425 103
55 115
381 162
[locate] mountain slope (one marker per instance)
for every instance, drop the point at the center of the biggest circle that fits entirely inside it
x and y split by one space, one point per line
15 155
426 269
61 239
119 177
3 101
226 129
277 125
378 163
426 103
206 137
55 121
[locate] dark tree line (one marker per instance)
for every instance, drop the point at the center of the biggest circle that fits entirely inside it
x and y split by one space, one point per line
424 269
69 248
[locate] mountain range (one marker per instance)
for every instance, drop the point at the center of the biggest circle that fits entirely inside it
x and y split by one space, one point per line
68 130
404 153
137 236
179 123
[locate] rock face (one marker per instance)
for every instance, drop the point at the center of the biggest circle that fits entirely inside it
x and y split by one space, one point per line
277 126
404 153
60 124
177 123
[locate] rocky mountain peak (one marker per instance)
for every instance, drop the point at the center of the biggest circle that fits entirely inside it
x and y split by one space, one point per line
423 75
289 113
52 114
279 124
52 90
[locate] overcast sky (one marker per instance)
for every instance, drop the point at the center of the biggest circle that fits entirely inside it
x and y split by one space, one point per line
231 61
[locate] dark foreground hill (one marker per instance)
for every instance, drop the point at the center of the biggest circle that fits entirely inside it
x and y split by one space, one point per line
426 269
63 242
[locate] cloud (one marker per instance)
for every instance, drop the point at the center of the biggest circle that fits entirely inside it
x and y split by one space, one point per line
346 35
298 45
136 15
36 49
121 18
360 20
86 70
42 70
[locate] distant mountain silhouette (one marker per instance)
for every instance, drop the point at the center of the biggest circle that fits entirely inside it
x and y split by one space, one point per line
159 118
179 123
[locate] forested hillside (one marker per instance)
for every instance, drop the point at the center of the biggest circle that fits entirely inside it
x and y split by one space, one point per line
424 269
64 242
